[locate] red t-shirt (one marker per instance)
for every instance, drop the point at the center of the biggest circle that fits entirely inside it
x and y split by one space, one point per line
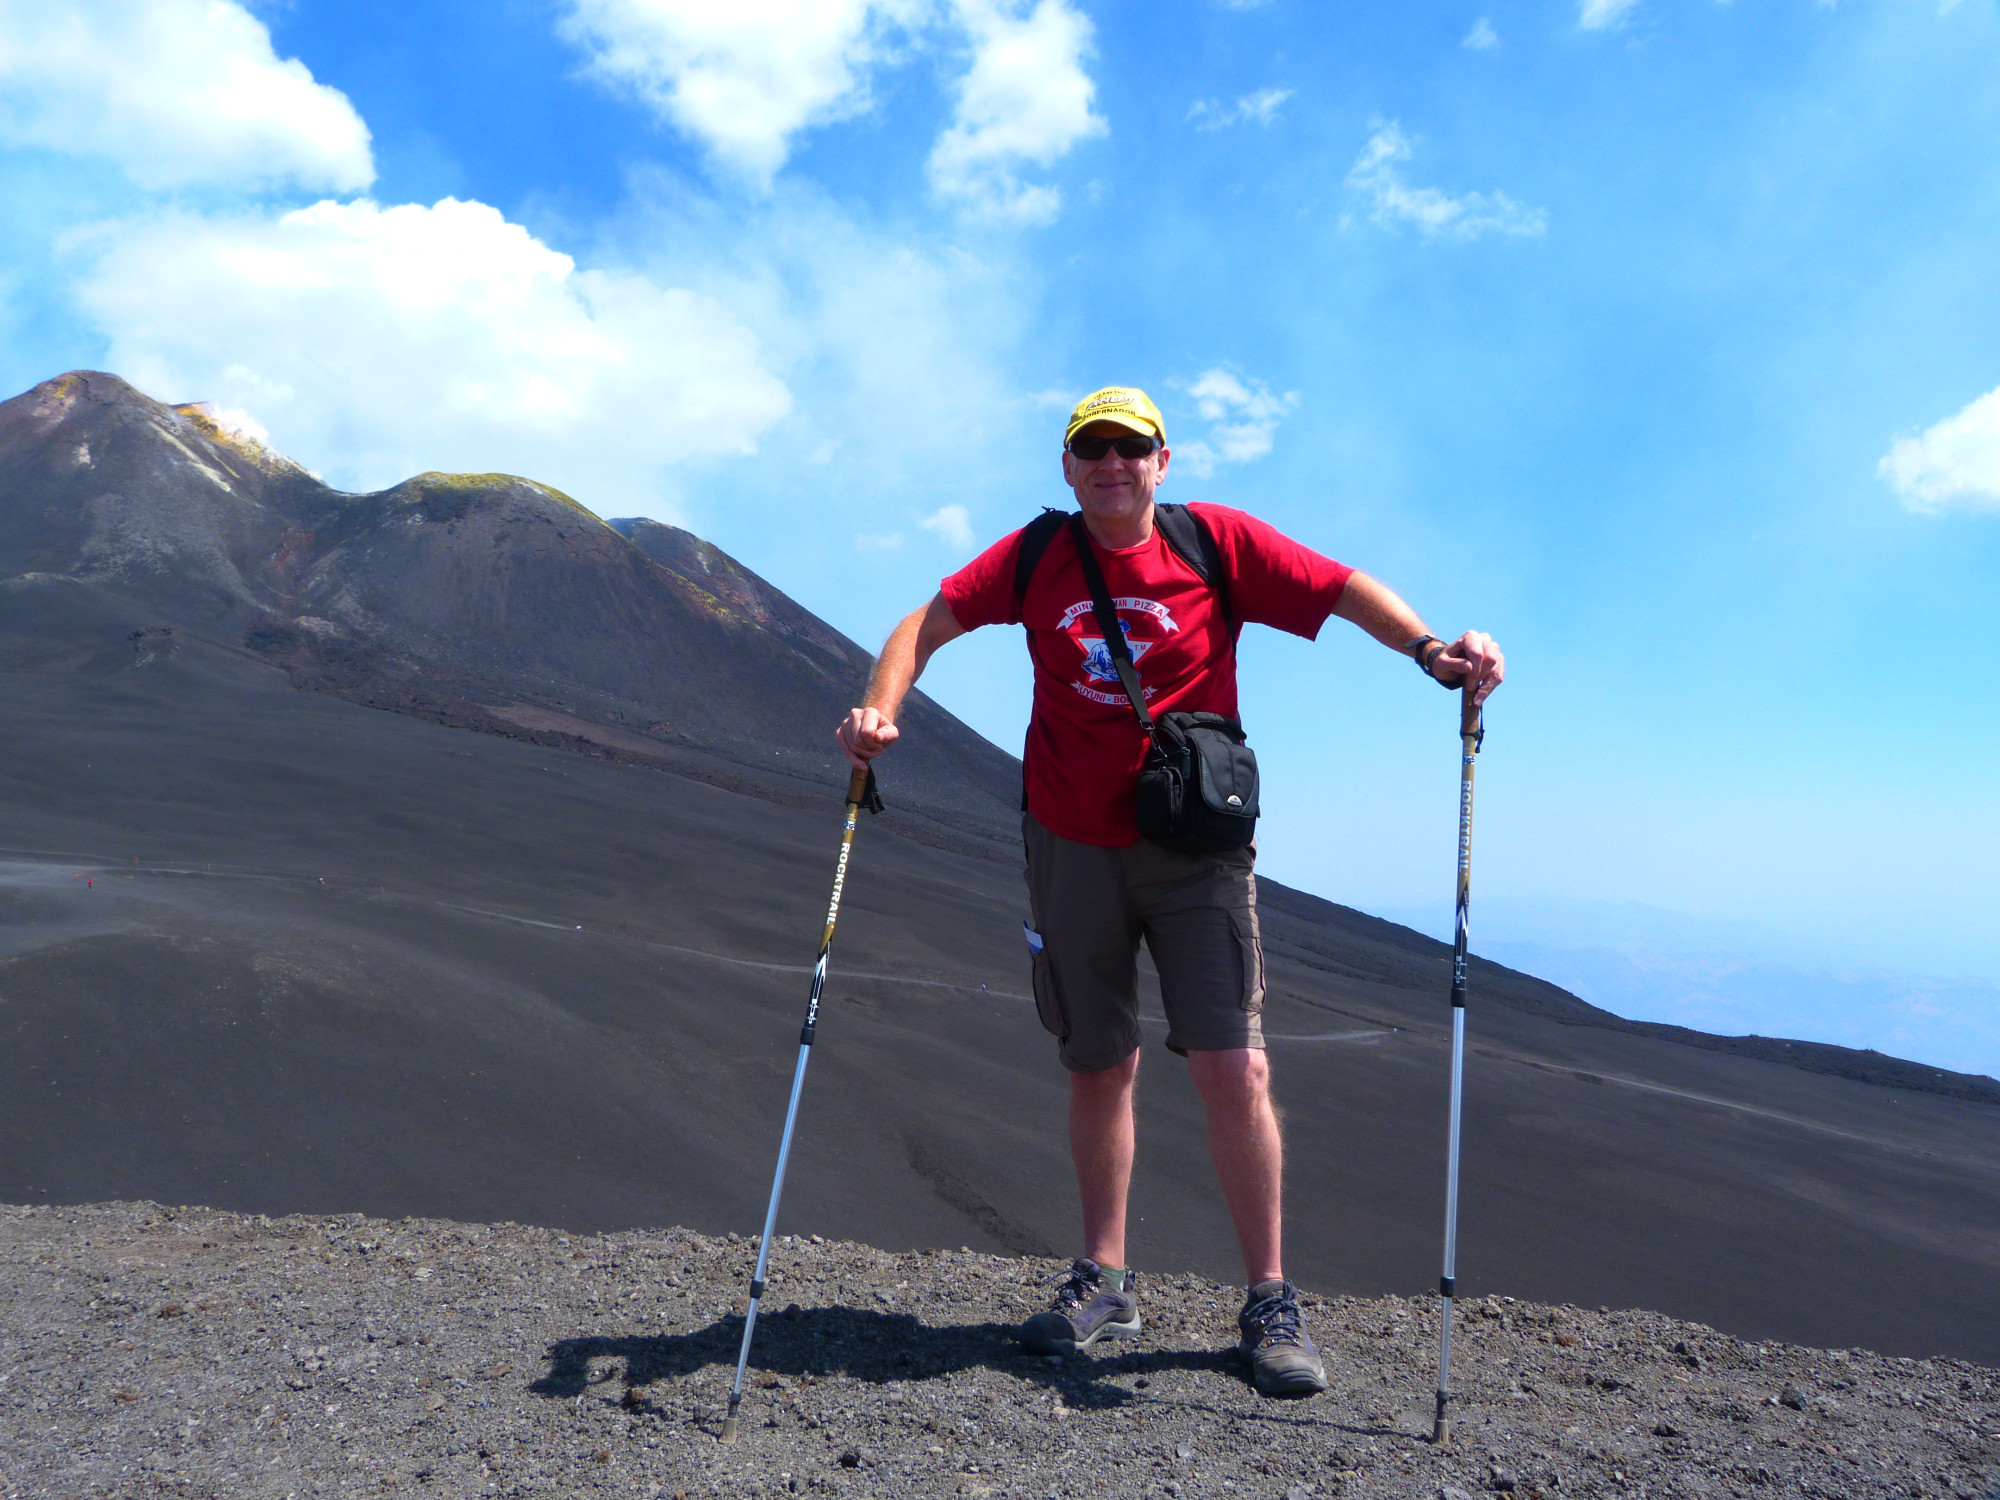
1085 747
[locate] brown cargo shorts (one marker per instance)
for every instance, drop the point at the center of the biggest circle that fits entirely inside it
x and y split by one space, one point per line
1198 914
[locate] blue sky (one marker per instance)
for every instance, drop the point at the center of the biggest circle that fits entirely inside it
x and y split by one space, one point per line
1659 338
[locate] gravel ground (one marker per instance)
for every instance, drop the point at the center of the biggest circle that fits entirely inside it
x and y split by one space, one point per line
161 1351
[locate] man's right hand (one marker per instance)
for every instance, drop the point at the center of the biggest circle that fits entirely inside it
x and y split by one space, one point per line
864 734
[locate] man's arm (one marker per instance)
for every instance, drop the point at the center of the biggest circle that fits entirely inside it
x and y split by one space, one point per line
869 730
1377 609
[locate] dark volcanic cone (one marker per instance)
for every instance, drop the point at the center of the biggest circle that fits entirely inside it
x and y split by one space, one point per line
480 600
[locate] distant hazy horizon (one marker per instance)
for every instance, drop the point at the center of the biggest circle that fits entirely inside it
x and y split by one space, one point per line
1732 978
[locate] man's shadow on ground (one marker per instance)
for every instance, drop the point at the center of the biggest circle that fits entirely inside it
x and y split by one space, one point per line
881 1348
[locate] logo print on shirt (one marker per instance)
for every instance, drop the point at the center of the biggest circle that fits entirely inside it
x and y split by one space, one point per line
1079 624
1097 656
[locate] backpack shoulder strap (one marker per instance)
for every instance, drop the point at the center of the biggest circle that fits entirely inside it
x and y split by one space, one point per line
1194 543
1035 539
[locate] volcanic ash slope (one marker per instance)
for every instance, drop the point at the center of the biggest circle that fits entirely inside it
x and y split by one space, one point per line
152 1351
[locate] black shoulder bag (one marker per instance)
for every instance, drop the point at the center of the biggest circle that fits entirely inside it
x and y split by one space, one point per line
1197 792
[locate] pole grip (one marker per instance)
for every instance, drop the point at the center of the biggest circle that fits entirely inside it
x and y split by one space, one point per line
857 785
1468 712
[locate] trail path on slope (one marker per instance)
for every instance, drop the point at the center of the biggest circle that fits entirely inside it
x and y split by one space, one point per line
151 1351
23 867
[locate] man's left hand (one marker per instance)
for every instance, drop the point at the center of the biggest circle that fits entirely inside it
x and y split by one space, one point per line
1474 658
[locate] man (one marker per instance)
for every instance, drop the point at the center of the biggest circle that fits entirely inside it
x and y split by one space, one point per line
1095 887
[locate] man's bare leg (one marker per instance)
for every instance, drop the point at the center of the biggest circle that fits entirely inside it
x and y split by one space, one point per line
1101 1145
1249 1152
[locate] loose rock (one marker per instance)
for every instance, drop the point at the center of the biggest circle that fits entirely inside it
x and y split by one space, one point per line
308 1356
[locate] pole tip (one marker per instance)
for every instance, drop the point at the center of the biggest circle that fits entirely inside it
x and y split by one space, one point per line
728 1430
1441 1433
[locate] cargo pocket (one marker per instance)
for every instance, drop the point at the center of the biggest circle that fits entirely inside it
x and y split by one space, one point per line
1250 942
1048 1003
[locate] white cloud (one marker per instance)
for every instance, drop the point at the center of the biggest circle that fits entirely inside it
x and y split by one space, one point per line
885 542
1259 107
746 77
954 524
1955 464
1377 173
177 92
1482 37
1602 15
742 76
900 351
1025 101
1243 417
375 343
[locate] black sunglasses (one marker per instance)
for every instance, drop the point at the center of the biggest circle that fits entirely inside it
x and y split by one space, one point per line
1091 449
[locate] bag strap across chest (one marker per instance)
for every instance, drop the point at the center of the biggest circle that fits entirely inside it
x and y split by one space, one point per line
1107 621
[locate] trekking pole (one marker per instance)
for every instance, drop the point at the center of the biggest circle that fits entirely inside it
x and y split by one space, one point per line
1471 735
860 793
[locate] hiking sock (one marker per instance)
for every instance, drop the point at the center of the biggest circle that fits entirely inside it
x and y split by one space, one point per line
1114 1277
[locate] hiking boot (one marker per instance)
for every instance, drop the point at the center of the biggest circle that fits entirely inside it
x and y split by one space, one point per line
1275 1343
1084 1311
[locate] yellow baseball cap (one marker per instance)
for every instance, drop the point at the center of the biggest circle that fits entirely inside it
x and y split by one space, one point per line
1126 405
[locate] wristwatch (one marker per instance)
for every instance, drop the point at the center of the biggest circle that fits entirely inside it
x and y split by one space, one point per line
1426 657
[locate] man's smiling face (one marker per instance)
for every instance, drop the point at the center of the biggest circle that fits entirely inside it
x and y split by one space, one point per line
1114 487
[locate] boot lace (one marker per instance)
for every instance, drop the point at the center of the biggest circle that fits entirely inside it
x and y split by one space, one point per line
1075 1286
1277 1319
